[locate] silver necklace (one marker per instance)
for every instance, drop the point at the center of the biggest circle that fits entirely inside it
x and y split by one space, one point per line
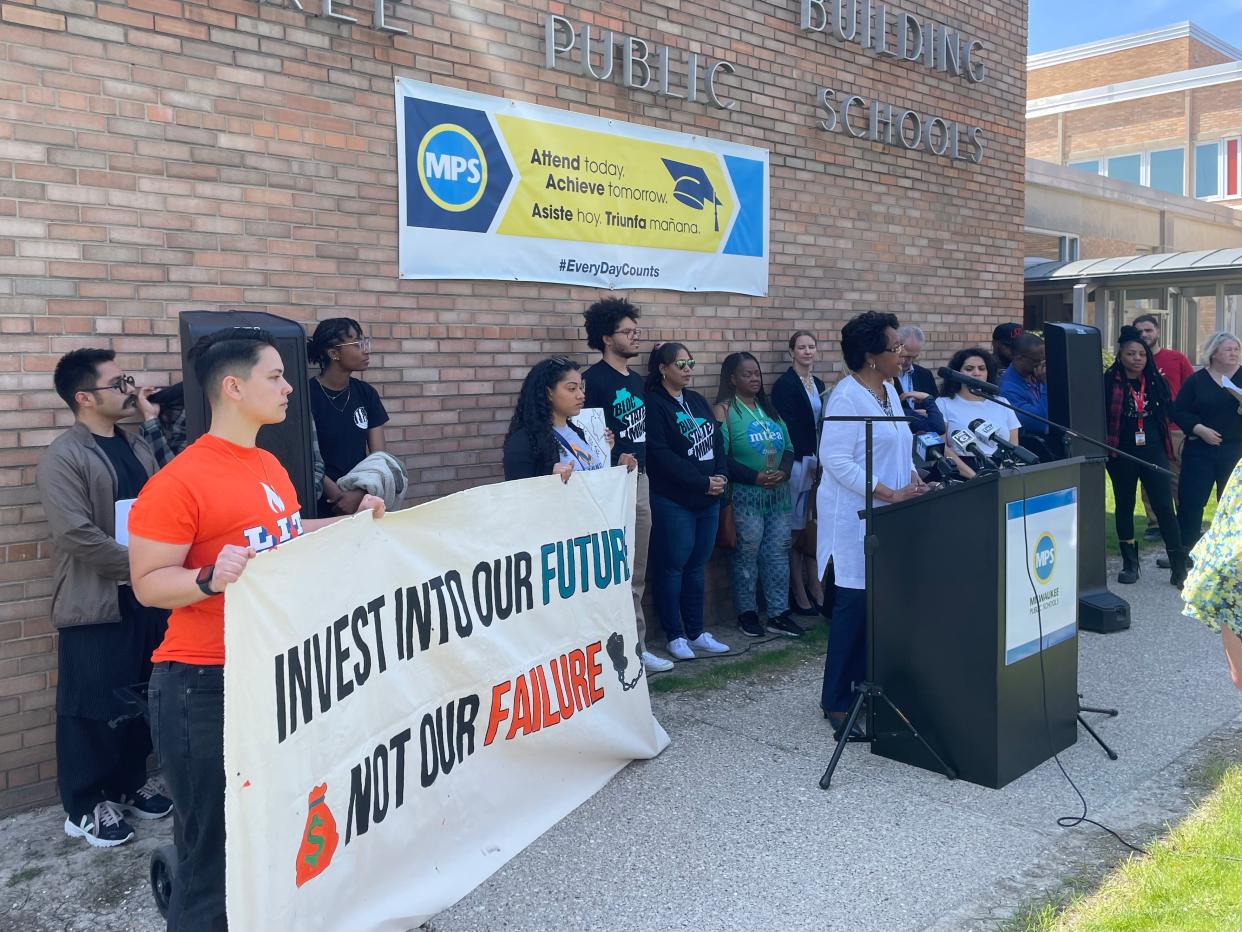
346 391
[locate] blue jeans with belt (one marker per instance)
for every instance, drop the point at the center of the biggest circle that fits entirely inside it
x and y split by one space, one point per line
186 704
681 542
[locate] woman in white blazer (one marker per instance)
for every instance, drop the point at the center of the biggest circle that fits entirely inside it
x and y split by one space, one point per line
872 352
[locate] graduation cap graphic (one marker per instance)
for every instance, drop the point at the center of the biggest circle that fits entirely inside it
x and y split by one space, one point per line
692 187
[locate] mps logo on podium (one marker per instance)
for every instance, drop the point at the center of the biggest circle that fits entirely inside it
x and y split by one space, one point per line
1041 572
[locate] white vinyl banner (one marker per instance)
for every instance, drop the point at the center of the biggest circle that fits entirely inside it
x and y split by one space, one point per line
507 190
1041 573
410 701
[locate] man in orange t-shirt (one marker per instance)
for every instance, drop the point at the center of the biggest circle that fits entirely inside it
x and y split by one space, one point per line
193 529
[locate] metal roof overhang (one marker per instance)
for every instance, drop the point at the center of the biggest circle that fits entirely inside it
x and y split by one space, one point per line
1159 269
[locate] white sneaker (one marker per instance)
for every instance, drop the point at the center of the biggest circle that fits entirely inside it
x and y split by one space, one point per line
654 664
708 643
680 648
103 828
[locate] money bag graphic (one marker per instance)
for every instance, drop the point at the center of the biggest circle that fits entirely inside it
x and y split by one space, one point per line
320 839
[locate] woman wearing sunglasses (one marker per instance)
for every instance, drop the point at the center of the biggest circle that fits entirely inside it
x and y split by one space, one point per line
688 472
349 416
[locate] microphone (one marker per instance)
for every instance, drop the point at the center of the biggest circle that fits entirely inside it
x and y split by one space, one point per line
930 449
966 440
978 386
987 432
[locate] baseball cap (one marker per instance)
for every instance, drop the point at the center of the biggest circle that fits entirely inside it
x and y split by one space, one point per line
1007 333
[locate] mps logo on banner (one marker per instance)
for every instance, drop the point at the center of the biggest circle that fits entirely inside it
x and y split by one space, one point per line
1041 573
461 171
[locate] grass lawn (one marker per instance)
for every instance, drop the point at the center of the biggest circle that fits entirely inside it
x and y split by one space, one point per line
1191 880
713 673
1140 521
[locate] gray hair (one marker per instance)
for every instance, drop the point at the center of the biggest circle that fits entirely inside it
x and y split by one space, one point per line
1215 341
908 331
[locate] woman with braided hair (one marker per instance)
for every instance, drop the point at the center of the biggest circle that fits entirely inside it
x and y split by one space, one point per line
1139 408
542 440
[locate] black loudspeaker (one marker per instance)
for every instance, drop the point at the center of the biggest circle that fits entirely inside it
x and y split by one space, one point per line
290 440
1103 612
1076 383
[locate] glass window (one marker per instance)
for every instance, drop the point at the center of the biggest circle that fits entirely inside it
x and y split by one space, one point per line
1092 166
1126 168
1206 180
1167 170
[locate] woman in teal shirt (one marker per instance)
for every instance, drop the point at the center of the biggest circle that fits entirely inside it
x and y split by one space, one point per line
758 446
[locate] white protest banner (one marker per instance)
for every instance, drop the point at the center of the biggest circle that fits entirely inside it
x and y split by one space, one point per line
503 189
412 700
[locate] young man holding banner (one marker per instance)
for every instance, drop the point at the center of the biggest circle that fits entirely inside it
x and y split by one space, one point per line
612 328
194 528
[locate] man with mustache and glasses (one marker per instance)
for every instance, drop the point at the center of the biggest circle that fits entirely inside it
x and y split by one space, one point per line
106 636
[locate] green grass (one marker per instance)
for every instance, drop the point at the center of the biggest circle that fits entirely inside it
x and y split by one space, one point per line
1140 520
713 674
1190 881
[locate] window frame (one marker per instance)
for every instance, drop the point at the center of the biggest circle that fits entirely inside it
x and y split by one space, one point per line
1144 157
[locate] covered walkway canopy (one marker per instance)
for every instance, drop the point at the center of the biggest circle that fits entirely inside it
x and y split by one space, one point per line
1193 294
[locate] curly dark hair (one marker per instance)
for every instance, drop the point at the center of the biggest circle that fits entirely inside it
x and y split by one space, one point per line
331 332
533 412
865 334
949 389
726 391
603 317
662 355
1158 394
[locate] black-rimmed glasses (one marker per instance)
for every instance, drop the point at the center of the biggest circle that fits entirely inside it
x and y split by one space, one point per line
123 384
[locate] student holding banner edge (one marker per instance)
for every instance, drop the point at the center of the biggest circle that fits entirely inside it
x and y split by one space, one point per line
195 526
612 329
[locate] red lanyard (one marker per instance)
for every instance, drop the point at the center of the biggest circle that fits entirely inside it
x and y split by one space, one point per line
1140 400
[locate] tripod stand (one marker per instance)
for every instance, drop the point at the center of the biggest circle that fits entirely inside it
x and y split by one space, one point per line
1111 713
868 690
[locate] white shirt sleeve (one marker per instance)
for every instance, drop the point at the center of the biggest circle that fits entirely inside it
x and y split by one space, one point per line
839 445
1011 420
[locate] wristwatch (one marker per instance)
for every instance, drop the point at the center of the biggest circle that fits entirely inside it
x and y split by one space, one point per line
204 579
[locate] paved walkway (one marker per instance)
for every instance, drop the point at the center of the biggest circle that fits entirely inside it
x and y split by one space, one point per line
728 829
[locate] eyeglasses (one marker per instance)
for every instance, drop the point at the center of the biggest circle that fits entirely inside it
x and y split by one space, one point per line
899 348
684 364
364 344
123 384
634 332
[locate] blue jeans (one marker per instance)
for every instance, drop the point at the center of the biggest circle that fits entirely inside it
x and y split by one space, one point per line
681 542
186 705
846 661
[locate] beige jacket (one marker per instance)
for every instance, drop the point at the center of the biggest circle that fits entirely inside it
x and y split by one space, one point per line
78 486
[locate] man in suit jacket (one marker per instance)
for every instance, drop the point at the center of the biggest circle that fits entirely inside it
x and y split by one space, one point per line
912 377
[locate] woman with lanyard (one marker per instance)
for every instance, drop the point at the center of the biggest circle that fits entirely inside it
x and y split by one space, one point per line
961 407
349 416
1138 407
1210 413
542 440
688 473
760 454
799 399
872 353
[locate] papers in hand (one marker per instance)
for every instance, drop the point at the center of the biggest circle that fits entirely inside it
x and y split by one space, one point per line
122 520
591 420
1227 383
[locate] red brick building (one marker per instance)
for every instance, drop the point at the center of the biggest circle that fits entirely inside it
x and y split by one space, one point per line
164 155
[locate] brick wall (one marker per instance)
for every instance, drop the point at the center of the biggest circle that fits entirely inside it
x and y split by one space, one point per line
160 155
1125 65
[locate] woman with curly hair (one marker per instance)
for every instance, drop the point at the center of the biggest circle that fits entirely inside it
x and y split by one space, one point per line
349 416
542 440
1139 407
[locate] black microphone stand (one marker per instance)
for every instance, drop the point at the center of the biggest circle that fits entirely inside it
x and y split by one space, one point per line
1001 400
869 690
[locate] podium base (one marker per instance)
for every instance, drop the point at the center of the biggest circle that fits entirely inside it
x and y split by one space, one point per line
1102 612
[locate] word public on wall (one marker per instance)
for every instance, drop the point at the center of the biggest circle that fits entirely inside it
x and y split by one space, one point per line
641 65
497 189
390 744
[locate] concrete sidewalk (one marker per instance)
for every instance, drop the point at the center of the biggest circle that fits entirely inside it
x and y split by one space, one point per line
728 829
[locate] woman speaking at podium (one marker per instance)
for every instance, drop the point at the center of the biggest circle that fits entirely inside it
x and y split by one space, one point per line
872 353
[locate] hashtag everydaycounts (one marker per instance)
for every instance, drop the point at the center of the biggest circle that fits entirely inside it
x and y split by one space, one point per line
604 269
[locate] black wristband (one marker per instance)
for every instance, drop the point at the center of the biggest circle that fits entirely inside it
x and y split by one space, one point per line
204 579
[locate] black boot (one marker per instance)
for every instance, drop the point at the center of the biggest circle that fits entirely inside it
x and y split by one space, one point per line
1130 562
1177 563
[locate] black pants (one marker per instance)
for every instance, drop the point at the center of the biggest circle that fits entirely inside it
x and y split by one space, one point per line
846 660
187 727
1203 468
1126 476
102 744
